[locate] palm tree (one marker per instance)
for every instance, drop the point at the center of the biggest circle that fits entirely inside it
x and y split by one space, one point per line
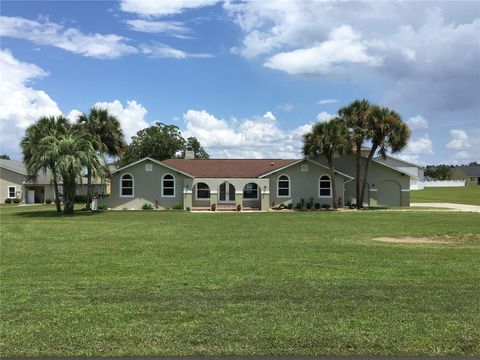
355 117
106 128
45 126
327 138
386 131
72 150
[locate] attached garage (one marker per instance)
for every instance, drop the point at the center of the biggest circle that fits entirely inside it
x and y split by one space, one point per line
389 193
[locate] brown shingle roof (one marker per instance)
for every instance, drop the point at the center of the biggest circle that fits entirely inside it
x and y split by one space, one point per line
228 168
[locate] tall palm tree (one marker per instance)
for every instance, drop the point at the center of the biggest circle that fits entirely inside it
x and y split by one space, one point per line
106 128
72 150
327 138
355 117
53 126
386 131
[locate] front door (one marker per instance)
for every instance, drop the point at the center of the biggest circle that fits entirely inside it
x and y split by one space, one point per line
227 193
30 196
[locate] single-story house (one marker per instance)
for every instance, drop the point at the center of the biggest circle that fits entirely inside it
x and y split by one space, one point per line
471 174
251 183
414 170
15 183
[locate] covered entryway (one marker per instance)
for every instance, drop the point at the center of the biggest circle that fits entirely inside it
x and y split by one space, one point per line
226 193
34 194
389 193
251 197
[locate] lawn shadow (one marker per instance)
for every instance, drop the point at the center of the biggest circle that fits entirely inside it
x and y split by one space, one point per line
55 214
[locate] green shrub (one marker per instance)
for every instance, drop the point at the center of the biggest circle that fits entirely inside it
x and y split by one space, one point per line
309 205
214 207
48 201
317 206
325 206
8 201
281 206
101 207
177 206
147 206
188 208
16 201
80 199
289 206
239 207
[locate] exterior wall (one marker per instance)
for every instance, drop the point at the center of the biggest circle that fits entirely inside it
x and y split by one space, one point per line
377 174
147 187
10 178
304 185
415 184
458 174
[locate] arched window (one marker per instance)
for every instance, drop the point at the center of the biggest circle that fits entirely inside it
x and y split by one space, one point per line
250 191
325 186
126 185
283 186
168 185
203 191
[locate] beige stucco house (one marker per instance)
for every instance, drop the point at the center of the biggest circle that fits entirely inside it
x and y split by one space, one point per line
14 183
251 183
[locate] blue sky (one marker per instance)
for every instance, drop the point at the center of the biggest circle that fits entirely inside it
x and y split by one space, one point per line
246 78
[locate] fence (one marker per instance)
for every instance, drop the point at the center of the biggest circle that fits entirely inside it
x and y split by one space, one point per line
444 183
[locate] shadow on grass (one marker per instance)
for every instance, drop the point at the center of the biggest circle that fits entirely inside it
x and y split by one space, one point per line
55 214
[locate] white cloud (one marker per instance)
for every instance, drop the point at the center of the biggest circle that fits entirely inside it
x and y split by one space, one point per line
459 140
256 137
324 116
73 115
327 101
287 107
158 50
343 46
131 117
417 150
162 7
20 103
418 122
173 28
44 32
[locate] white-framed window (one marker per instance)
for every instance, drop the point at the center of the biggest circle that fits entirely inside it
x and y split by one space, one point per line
148 167
250 191
203 192
168 185
126 185
12 192
283 186
304 168
324 186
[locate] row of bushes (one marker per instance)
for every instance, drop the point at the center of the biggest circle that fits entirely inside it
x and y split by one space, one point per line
176 206
299 206
12 201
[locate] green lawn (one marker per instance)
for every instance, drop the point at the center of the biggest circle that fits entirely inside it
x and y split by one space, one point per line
306 283
462 195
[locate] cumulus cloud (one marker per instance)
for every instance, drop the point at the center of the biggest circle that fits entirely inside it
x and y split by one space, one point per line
417 150
459 140
418 122
343 46
256 137
45 32
20 103
131 116
162 8
324 116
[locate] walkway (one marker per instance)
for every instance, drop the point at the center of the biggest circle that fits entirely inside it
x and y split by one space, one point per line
451 206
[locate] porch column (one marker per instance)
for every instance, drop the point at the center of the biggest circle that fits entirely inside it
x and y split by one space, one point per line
239 199
373 197
264 200
213 197
187 199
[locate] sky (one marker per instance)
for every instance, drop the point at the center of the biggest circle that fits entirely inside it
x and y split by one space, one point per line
248 78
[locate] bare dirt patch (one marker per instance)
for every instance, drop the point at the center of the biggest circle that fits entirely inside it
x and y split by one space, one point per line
419 240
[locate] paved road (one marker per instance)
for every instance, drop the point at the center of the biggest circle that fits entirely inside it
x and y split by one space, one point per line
456 207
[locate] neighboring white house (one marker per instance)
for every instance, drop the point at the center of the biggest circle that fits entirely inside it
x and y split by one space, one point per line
416 171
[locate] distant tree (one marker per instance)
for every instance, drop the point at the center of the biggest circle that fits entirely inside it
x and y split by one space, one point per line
439 172
5 157
159 142
474 163
327 138
106 128
194 145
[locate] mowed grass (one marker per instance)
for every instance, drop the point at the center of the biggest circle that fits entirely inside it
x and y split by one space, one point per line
176 283
461 195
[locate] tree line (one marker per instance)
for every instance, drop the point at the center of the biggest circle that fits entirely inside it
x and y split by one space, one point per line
356 125
67 148
443 171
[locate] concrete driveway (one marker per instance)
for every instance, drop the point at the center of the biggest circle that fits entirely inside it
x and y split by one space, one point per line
456 207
